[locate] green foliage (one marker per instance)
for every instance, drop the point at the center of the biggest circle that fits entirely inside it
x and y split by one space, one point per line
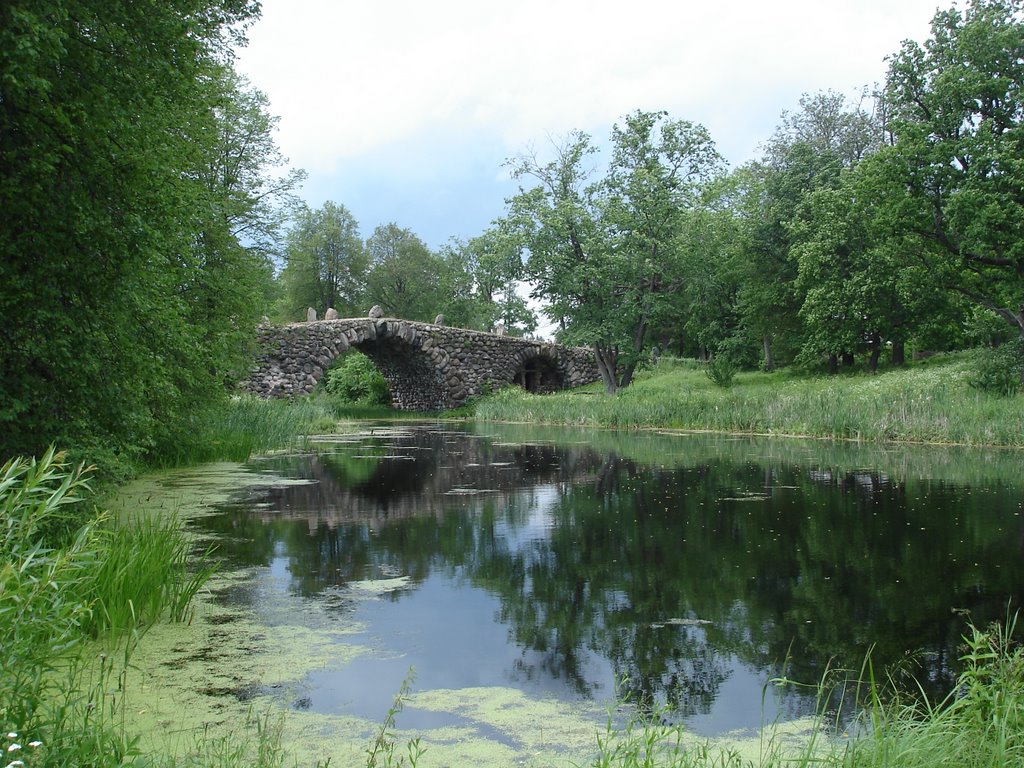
998 370
325 265
357 380
144 571
645 741
383 747
990 693
605 254
979 725
63 580
134 222
951 181
404 275
482 275
258 745
244 425
721 370
930 402
40 612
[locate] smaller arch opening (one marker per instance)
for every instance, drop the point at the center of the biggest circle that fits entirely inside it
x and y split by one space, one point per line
538 374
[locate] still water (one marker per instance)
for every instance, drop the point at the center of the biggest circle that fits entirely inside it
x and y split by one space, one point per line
687 570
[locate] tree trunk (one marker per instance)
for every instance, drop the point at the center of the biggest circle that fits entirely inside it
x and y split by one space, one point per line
766 343
833 363
899 354
627 376
1020 346
876 350
607 359
847 359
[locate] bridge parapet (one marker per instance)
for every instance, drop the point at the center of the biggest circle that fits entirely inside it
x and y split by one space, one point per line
427 367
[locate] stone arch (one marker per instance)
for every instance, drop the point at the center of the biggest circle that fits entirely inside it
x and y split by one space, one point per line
539 373
412 374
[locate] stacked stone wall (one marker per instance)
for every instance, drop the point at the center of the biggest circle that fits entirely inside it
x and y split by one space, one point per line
427 367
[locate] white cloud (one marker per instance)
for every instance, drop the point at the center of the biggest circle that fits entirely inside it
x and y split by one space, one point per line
358 80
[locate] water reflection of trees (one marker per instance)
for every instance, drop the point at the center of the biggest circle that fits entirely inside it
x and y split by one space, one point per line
664 571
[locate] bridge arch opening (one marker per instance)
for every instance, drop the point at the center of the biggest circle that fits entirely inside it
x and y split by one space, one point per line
413 380
539 374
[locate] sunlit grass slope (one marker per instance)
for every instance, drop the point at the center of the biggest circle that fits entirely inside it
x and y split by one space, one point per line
930 402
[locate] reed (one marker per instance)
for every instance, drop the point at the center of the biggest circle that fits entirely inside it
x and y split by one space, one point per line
66 576
242 426
980 724
246 425
142 571
928 402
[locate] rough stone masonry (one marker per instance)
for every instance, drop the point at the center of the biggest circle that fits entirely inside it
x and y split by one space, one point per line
427 367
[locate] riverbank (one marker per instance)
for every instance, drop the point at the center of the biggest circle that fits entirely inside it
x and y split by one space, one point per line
931 401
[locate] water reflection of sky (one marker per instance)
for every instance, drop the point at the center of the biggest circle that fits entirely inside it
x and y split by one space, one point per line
539 519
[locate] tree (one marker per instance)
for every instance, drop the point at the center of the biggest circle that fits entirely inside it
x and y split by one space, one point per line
807 152
113 240
954 174
856 291
605 255
403 274
249 193
326 262
494 270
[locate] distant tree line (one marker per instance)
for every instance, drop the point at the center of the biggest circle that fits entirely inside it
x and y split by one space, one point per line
327 265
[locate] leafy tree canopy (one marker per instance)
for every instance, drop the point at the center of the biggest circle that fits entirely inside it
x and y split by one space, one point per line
326 263
605 253
137 214
953 180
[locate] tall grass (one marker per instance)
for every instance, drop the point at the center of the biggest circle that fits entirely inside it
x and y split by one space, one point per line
980 724
67 576
246 425
142 571
929 402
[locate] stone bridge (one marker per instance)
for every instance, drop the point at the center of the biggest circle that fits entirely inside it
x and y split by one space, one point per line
427 367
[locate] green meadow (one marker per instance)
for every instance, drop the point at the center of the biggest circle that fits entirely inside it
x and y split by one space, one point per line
932 401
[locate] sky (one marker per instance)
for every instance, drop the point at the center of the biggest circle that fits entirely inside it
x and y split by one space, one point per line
405 111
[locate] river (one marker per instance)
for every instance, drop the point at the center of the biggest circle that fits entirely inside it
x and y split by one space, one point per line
528 581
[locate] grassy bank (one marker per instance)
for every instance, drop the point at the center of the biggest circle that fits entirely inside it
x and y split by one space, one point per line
75 588
246 425
927 402
979 725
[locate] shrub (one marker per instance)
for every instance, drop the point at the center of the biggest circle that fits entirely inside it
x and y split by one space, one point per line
721 370
357 380
998 370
